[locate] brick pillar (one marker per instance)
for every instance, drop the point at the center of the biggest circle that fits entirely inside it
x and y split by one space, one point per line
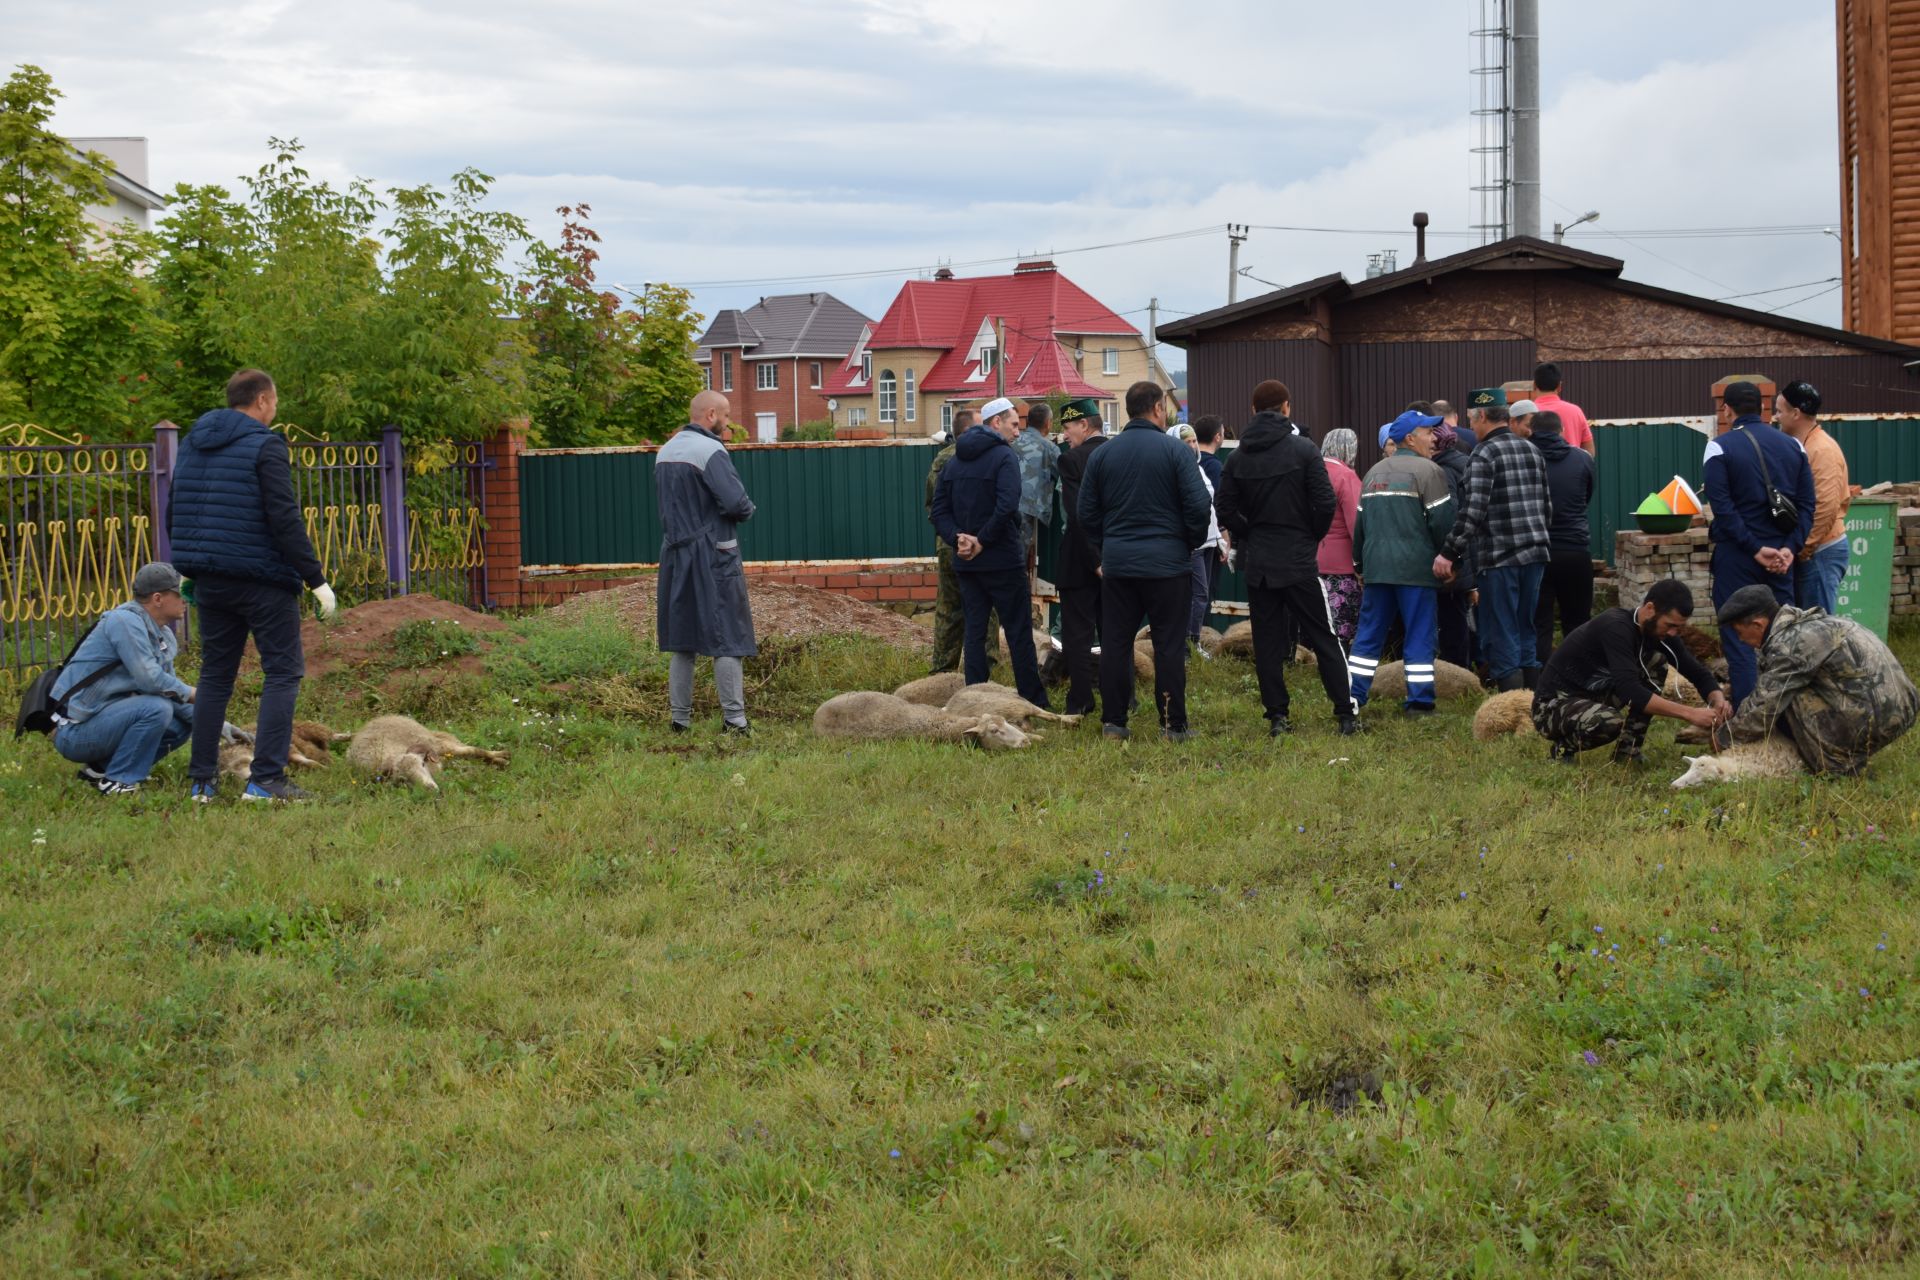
166 449
502 480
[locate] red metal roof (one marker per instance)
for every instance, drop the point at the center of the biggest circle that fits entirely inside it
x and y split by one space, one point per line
1033 306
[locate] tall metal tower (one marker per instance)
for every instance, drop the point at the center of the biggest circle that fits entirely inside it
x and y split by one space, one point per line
1493 120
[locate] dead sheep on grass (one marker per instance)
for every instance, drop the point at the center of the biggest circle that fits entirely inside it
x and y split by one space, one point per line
1771 757
997 699
933 690
1504 713
881 716
311 748
1236 640
1449 681
400 749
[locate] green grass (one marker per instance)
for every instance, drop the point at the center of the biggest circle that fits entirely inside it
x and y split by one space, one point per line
656 1005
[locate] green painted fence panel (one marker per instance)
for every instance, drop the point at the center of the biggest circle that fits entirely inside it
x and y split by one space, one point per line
833 502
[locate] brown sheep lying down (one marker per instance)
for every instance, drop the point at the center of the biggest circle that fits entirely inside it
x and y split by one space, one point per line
933 690
1449 681
880 716
400 749
1504 713
311 749
997 699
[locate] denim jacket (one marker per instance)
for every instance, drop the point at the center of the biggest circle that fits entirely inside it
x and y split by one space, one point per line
144 652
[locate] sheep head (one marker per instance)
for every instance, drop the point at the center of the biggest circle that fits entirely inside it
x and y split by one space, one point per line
1700 771
993 733
415 767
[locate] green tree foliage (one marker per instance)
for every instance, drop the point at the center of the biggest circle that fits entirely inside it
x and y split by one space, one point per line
79 337
603 374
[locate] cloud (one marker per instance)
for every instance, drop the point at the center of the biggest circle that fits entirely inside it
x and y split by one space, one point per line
739 141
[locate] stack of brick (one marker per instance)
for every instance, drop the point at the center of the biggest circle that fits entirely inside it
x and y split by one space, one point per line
1642 559
1906 564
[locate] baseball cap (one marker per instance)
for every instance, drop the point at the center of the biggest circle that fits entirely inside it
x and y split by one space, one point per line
1408 423
155 577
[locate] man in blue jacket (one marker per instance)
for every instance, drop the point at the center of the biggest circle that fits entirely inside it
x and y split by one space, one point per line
1145 512
125 708
237 532
1751 543
976 511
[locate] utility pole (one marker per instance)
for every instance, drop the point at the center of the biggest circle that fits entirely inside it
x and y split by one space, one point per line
1236 232
1526 118
999 357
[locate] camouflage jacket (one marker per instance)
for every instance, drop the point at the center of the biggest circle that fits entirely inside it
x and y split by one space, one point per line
940 461
1839 690
1039 467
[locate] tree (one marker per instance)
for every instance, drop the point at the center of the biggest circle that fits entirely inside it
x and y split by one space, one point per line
79 335
208 253
604 375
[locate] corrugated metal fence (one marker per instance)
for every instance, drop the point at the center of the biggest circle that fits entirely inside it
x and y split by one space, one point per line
594 510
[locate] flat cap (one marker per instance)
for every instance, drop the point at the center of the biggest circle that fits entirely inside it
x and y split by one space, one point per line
1747 601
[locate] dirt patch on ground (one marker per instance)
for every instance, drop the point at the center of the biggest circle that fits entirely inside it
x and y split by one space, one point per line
363 634
780 610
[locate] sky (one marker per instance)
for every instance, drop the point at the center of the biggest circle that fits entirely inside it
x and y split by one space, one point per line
747 149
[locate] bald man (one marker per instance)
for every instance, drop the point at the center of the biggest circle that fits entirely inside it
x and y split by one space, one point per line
702 595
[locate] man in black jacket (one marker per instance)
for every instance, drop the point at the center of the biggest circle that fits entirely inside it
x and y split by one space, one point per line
236 531
1603 684
1568 584
1077 574
1277 503
1144 509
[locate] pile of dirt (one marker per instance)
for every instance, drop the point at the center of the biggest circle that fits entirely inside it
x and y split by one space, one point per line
780 610
364 634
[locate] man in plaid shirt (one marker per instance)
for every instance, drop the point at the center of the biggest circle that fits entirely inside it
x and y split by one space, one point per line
1504 514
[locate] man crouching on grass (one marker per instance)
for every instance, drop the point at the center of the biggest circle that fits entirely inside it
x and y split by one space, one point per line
1603 683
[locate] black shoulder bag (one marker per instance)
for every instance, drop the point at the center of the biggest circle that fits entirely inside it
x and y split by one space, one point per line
38 706
1780 507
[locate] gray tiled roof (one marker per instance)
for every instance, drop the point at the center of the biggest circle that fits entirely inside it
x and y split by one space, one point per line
794 324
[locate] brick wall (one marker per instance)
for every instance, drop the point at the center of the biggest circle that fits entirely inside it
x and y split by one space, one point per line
748 401
912 583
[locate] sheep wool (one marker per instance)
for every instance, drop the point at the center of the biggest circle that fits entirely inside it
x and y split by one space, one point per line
1504 713
1770 757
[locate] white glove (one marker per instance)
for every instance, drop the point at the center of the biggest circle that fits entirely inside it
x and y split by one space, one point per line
324 595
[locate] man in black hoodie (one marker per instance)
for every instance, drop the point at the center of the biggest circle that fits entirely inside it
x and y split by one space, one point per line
1569 579
1277 503
1077 573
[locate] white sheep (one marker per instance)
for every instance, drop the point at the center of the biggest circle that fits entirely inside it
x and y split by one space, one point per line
1771 757
933 690
1504 713
401 749
1236 640
997 699
881 715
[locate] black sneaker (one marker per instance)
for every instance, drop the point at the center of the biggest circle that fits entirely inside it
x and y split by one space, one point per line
91 774
1350 726
1417 713
108 787
737 730
1633 758
1176 735
1119 732
677 727
1279 725
1563 755
283 791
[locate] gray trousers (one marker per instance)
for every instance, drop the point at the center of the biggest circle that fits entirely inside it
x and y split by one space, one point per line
729 682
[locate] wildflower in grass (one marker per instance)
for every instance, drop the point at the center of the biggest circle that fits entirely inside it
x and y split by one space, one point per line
1463 893
1593 1059
894 1154
1396 885
1865 994
1300 830
1599 928
1880 946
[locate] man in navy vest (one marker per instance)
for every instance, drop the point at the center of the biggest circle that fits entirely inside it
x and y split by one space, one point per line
237 532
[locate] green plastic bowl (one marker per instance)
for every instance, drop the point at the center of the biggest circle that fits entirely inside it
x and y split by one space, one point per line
1662 524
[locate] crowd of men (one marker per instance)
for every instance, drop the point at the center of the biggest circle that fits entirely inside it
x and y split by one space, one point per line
1465 543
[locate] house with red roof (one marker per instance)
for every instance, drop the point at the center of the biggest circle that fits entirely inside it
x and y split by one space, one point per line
949 343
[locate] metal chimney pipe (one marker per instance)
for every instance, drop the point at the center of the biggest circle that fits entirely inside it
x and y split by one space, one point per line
1419 237
1526 118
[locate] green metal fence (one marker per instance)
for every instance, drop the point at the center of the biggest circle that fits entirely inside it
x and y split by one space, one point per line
1633 461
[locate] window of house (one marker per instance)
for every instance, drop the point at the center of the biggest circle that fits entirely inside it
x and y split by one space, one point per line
866 366
706 376
946 415
1110 361
913 401
857 417
889 393
1106 414
726 370
814 370
767 376
989 357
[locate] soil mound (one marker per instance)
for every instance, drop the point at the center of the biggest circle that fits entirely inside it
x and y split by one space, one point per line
364 633
780 610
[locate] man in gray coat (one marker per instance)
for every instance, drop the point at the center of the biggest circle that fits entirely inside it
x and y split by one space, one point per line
702 595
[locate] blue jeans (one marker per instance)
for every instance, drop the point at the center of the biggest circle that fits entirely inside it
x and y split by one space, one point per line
1417 609
1816 580
1732 570
230 610
1509 597
129 734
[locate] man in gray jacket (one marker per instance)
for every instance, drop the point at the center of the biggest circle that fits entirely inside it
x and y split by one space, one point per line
702 596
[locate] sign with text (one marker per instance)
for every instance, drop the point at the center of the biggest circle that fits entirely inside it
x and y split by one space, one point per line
1872 530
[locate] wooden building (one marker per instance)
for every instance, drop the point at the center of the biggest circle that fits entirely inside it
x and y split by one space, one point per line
1879 47
1354 353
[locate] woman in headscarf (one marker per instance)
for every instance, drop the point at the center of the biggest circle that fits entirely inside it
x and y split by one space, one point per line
1336 549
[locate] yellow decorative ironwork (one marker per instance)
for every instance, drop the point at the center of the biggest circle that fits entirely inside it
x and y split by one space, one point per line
446 538
291 429
32 433
351 542
79 460
49 574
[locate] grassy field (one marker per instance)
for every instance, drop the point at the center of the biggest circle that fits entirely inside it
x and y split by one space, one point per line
651 1005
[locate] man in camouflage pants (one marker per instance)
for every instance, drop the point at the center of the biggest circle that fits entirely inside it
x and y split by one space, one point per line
1605 682
948 624
1828 683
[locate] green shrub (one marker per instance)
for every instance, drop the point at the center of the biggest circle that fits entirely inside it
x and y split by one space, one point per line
423 642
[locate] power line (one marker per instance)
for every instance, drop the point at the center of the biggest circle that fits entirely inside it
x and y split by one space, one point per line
1785 288
1797 301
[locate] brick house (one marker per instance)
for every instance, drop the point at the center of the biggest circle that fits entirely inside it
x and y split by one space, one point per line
934 351
773 359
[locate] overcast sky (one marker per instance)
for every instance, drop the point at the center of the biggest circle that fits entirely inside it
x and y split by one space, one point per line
783 145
